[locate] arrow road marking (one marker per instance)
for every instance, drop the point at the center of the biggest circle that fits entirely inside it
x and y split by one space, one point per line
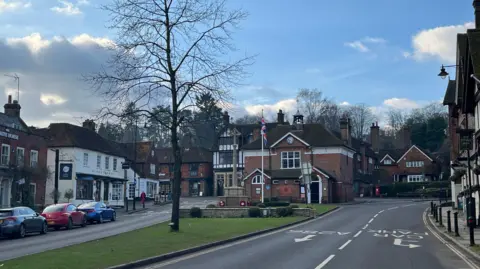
398 242
306 238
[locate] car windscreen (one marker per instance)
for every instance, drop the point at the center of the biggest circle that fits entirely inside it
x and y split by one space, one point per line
87 205
54 208
6 213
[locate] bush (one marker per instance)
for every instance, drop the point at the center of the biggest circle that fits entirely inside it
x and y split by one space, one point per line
211 206
254 212
284 211
294 206
261 205
195 212
277 204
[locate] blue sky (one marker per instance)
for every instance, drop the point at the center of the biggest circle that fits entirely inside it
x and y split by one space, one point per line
303 44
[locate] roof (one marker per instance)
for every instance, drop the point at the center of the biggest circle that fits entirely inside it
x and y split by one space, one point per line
357 145
288 173
247 129
192 155
316 135
397 154
449 97
12 122
474 49
69 135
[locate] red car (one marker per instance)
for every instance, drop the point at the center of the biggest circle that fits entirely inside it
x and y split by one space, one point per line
64 215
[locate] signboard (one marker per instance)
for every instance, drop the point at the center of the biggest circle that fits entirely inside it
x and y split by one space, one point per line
125 165
9 135
466 141
65 171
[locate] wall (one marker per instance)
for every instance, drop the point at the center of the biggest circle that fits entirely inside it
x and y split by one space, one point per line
242 212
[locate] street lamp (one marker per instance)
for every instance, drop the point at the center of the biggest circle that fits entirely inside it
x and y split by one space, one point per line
443 74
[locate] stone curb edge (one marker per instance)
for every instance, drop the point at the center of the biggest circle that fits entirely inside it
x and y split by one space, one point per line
137 210
450 239
171 255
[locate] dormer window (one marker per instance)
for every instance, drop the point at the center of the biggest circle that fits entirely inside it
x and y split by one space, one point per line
387 161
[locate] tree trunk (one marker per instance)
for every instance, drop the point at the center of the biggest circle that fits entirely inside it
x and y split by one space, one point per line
177 179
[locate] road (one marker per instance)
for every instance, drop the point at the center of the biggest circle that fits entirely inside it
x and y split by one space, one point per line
376 234
10 249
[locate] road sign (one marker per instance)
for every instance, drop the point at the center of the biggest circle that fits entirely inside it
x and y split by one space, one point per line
306 238
398 242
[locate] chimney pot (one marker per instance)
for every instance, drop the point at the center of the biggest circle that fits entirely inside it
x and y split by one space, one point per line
10 99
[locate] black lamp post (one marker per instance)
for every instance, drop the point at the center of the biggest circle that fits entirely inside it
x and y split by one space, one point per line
443 74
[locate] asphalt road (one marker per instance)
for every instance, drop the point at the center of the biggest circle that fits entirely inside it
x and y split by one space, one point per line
31 244
376 234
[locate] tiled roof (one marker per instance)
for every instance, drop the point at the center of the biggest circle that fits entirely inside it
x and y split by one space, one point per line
357 145
394 153
192 155
449 97
315 135
9 121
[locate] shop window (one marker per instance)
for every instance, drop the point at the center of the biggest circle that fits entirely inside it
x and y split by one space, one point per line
84 190
131 191
151 188
117 190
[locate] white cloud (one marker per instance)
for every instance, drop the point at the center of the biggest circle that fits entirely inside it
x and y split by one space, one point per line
361 46
271 110
67 8
374 40
344 103
51 99
401 103
12 5
358 45
83 2
439 42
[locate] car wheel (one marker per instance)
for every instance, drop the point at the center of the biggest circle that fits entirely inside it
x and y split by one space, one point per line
114 216
44 228
100 219
21 231
84 222
70 224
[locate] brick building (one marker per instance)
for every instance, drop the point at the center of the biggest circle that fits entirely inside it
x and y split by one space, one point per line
23 173
288 146
197 173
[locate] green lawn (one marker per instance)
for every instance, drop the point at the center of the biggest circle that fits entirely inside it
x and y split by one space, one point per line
320 208
476 248
144 243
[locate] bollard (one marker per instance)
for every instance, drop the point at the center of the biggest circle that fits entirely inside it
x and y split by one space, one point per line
440 219
455 223
449 224
431 208
436 214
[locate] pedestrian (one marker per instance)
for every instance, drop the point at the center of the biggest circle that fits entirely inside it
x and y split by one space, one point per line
142 198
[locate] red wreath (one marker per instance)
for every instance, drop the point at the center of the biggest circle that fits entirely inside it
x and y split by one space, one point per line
242 203
221 203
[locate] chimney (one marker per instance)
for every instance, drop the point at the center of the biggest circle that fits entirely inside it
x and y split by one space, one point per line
12 109
280 117
89 124
406 137
226 118
476 8
346 130
375 137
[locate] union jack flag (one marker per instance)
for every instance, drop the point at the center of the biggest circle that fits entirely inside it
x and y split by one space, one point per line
264 131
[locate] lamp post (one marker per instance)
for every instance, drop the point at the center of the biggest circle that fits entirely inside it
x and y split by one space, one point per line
466 143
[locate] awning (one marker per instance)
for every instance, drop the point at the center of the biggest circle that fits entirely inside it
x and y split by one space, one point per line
84 177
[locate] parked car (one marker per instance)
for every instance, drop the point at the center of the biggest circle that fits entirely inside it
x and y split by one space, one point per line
98 212
64 215
18 221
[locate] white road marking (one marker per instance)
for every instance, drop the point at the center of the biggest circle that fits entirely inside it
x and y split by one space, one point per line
365 227
344 245
320 266
306 238
393 208
452 248
376 215
370 221
357 234
381 211
398 242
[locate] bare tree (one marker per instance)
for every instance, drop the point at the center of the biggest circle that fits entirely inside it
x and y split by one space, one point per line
396 119
167 52
312 103
331 116
248 119
361 117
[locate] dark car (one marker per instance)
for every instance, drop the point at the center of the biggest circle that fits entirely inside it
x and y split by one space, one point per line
98 212
18 221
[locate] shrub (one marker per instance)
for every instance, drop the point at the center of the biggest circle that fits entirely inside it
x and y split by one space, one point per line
211 206
261 205
293 206
195 212
277 204
284 211
254 212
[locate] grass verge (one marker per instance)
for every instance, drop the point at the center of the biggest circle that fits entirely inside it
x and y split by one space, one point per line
144 243
320 208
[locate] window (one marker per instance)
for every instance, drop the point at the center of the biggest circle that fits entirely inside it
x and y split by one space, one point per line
226 141
20 156
387 161
257 180
99 161
33 158
193 168
230 180
5 154
71 208
114 164
225 157
117 190
415 164
151 188
415 178
84 189
107 163
131 191
152 168
290 159
33 191
85 159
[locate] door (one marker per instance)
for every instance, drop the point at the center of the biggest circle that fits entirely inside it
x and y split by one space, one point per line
104 211
220 182
71 209
315 194
106 190
117 193
28 220
36 220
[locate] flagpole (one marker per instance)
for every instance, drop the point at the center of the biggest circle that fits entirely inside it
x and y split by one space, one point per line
262 141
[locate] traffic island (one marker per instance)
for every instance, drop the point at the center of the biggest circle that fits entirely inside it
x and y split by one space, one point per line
156 241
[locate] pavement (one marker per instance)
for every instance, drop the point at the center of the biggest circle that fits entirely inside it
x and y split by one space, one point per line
375 234
153 214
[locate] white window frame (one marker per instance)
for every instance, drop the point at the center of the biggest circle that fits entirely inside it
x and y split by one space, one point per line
7 162
85 159
33 161
415 178
107 162
99 161
387 161
257 180
23 158
290 158
152 168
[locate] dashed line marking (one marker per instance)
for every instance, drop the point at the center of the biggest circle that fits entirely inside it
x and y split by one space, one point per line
357 234
393 208
320 266
365 227
376 215
344 245
370 221
381 211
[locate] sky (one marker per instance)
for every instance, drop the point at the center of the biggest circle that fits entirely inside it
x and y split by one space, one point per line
382 53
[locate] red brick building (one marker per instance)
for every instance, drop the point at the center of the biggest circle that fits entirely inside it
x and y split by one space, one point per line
197 171
23 171
331 158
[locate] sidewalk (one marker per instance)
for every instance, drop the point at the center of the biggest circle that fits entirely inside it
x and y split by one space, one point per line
464 239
